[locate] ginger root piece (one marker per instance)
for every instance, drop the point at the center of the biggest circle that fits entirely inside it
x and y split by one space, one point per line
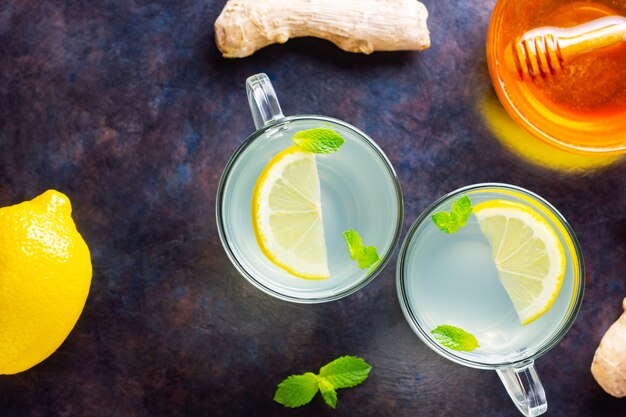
245 26
609 362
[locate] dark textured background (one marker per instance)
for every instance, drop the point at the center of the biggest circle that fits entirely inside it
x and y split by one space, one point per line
128 108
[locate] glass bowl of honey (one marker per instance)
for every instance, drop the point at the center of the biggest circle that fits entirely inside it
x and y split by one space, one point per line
580 108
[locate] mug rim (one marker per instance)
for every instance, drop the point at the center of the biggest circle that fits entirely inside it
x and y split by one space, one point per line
369 275
566 322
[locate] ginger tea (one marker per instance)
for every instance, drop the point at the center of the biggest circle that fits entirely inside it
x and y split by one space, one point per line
490 287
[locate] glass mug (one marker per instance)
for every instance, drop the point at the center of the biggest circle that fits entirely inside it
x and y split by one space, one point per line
359 190
451 279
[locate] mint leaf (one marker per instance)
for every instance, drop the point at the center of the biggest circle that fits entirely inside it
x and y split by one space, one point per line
462 208
364 255
445 221
354 242
455 338
297 390
368 257
450 222
328 391
318 140
346 371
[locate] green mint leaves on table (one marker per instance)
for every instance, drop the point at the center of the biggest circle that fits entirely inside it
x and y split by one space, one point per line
455 338
318 140
343 372
366 256
450 222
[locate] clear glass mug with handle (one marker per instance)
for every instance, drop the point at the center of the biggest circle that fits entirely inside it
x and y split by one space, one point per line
359 191
459 280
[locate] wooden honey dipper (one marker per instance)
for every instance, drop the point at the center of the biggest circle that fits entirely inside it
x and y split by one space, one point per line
542 52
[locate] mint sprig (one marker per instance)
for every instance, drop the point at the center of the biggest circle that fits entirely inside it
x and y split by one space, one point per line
366 256
456 218
318 140
343 372
455 338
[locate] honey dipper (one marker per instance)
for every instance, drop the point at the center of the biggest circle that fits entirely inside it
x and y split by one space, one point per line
543 51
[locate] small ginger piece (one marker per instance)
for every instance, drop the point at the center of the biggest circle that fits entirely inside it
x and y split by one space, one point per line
245 26
609 362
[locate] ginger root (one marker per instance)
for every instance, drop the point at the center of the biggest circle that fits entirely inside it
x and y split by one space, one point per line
245 26
609 362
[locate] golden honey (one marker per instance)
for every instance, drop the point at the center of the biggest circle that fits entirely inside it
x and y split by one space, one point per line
583 108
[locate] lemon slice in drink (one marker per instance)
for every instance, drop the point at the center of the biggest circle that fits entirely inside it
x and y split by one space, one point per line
527 253
287 214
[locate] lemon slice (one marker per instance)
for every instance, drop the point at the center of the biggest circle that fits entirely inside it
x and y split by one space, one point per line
287 214
527 253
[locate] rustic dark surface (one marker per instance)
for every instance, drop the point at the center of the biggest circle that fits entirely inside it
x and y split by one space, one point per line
127 107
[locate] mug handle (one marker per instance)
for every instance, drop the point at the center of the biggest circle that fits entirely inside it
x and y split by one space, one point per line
263 101
523 385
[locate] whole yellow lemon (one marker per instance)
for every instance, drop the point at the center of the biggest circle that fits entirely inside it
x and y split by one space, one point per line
45 274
